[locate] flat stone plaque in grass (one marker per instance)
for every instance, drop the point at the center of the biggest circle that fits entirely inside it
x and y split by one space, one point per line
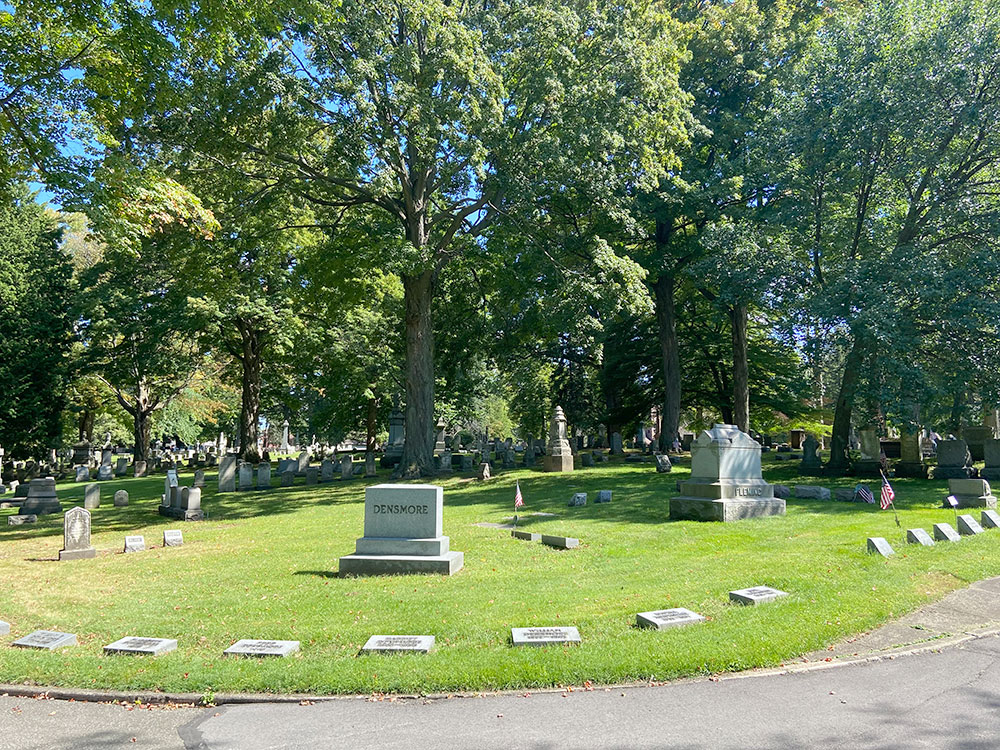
396 643
4 628
579 499
135 544
989 519
544 636
251 647
22 519
147 646
173 538
662 619
47 639
968 526
919 536
526 536
877 545
560 542
943 532
755 595
604 496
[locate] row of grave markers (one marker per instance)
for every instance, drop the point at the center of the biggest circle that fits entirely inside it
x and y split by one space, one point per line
943 532
533 636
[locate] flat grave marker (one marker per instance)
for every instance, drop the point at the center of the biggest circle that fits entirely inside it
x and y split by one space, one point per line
661 619
527 536
968 526
551 636
261 648
18 520
141 646
560 542
135 544
388 644
877 545
755 595
173 538
49 640
919 536
943 532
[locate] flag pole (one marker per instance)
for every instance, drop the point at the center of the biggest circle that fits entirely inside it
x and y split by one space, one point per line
891 501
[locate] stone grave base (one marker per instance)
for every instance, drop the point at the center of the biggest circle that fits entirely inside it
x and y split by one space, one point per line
381 565
558 463
77 554
811 470
952 472
867 468
990 473
36 507
916 469
180 514
731 509
971 501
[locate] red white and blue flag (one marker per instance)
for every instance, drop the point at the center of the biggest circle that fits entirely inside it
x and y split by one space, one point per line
887 494
518 500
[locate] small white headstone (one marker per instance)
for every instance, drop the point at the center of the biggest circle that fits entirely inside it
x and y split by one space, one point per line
878 545
580 498
968 526
173 538
919 536
149 646
989 519
251 647
755 595
395 643
560 542
544 636
943 532
135 544
662 619
46 639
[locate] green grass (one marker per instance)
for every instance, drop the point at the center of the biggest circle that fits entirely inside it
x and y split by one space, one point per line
264 566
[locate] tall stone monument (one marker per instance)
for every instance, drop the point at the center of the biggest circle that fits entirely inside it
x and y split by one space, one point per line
403 533
991 455
954 461
871 449
558 454
397 436
726 483
41 498
911 458
227 474
76 535
812 464
975 437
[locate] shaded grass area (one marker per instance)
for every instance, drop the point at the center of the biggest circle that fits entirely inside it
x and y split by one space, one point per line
264 566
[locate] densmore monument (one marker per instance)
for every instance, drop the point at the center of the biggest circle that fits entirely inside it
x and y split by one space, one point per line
403 533
726 483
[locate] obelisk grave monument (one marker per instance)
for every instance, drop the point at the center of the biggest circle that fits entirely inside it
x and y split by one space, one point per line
726 483
558 454
403 533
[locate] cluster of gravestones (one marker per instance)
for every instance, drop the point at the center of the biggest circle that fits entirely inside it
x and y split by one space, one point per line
943 532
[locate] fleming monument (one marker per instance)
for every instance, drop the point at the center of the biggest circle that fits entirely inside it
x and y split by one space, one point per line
726 483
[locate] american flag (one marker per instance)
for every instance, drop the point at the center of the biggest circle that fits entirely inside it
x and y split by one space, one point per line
887 494
864 494
518 500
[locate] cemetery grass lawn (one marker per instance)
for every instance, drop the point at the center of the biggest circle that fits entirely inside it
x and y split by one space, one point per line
264 566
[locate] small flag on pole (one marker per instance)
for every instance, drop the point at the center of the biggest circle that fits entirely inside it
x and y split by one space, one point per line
864 494
887 494
518 500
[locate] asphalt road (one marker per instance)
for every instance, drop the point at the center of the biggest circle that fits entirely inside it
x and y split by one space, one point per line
930 700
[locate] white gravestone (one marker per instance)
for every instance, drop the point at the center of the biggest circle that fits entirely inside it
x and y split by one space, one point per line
943 532
260 648
968 526
755 595
878 545
919 536
990 519
76 535
141 646
173 538
46 639
397 643
662 619
726 482
551 636
403 533
135 544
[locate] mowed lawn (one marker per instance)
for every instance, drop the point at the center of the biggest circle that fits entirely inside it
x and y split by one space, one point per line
264 566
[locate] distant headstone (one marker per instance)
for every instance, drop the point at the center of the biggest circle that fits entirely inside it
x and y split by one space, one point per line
782 491
972 493
603 496
953 460
288 478
396 643
199 478
246 476
484 470
82 474
227 474
41 497
755 595
76 535
173 538
444 468
258 648
139 469
303 462
578 499
663 465
911 463
968 526
135 544
919 536
346 467
616 444
991 456
264 475
812 464
141 646
795 437
587 460
558 454
877 545
92 496
812 492
662 619
552 636
104 473
403 533
943 532
21 519
48 640
560 542
975 437
312 475
989 519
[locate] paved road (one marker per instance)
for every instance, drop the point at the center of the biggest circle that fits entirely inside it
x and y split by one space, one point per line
933 700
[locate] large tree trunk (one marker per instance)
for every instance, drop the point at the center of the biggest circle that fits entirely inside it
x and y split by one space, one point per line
418 450
666 323
741 373
839 462
250 359
372 427
142 429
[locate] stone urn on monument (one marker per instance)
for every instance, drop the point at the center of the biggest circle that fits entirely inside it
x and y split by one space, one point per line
558 454
726 483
